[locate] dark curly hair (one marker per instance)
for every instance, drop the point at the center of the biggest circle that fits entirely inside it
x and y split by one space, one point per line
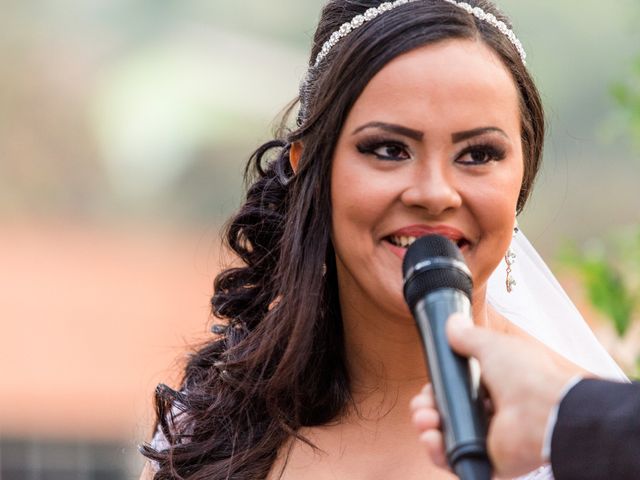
279 365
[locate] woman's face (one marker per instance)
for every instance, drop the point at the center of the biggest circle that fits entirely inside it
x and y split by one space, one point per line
431 146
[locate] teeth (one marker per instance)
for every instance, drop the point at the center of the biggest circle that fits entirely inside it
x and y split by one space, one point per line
402 241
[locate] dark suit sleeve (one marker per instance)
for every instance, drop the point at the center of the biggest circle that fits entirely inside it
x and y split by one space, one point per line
597 433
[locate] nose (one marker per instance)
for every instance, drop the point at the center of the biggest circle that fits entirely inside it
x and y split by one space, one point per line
432 187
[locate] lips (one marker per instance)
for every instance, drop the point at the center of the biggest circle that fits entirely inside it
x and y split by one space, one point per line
404 237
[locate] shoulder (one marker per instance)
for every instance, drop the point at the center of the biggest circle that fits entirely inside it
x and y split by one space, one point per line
148 472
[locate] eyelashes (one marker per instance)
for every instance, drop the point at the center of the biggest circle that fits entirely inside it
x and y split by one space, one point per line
481 153
386 149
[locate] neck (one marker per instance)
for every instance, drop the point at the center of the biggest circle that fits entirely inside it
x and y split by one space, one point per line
385 362
385 357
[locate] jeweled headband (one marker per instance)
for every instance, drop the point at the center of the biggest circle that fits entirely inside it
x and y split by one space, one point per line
359 20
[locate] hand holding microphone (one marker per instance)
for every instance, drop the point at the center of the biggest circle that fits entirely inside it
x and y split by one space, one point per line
524 379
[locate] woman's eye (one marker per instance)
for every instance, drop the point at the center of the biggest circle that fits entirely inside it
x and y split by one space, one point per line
480 155
386 151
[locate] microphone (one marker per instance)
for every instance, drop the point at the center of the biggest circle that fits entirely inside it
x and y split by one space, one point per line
437 283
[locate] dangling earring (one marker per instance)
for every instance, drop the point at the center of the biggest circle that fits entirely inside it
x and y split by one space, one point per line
510 259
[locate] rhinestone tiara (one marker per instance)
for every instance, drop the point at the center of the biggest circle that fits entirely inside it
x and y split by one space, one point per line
359 20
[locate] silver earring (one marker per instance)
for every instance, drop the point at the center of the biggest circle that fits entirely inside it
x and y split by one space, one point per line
510 259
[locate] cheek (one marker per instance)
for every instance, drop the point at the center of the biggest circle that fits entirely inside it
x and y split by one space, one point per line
498 204
346 219
360 195
345 193
494 208
503 189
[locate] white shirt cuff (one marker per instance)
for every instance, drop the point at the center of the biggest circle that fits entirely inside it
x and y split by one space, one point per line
553 418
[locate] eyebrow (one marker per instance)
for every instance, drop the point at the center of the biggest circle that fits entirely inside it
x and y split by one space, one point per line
418 135
460 136
390 127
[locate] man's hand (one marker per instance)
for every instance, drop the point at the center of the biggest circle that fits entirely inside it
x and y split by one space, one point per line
525 380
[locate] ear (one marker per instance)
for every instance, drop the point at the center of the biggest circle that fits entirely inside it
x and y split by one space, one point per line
295 152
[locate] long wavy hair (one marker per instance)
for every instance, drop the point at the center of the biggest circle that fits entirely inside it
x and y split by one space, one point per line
279 364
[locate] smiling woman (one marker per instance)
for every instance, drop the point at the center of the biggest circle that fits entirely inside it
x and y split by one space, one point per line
443 154
416 117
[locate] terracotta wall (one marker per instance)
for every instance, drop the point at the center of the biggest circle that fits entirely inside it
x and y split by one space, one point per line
92 318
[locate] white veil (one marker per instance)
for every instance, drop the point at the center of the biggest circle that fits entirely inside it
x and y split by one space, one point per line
539 306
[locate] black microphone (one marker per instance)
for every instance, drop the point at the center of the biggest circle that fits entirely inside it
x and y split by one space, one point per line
437 283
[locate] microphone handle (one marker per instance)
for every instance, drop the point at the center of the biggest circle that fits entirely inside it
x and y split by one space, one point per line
463 418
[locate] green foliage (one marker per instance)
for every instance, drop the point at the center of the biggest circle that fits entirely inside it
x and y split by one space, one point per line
627 96
609 271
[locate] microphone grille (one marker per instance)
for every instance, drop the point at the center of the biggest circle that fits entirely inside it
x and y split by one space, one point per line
446 272
428 247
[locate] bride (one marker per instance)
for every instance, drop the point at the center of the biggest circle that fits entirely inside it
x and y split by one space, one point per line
416 117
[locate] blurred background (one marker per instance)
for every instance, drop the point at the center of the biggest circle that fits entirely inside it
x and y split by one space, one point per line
124 129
